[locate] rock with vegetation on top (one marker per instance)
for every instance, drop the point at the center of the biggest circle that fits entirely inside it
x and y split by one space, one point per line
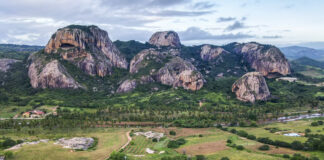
211 53
49 74
266 59
251 87
5 64
88 47
165 39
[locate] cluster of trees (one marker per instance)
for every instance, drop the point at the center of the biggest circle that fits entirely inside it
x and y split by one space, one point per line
176 143
314 142
6 142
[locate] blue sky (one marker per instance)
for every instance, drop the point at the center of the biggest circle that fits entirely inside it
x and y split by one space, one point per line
278 22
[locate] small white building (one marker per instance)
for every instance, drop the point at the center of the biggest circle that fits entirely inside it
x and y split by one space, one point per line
289 79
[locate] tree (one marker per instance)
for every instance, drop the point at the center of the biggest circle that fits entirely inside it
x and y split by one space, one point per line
117 156
173 133
264 147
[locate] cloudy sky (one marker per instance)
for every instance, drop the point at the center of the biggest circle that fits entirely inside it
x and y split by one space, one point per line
279 22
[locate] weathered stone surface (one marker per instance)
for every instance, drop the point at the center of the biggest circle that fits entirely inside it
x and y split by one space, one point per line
166 39
51 74
88 47
266 59
180 73
5 64
79 143
127 86
210 53
251 87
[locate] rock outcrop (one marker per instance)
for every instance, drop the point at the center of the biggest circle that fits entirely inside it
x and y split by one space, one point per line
5 64
127 86
211 53
88 47
266 59
50 74
165 39
251 87
180 73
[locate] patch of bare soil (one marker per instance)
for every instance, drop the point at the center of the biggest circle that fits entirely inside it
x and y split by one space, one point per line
203 148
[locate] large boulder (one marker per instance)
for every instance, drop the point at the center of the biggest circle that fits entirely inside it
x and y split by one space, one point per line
211 53
88 47
180 73
5 64
251 87
266 59
165 39
50 74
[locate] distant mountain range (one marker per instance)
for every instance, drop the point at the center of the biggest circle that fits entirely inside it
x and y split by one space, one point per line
295 52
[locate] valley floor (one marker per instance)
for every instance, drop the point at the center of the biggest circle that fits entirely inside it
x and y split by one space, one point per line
210 142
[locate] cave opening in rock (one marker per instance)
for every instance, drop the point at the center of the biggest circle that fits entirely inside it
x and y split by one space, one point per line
66 45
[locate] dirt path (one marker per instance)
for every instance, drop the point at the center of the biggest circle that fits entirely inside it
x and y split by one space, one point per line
125 145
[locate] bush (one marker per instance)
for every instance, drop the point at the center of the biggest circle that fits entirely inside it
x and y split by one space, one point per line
286 156
200 135
225 158
252 137
200 157
264 147
239 147
229 141
117 156
314 124
173 133
176 143
307 130
296 145
320 122
154 140
8 154
233 131
242 133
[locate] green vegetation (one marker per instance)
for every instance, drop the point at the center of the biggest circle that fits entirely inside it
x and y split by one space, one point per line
19 52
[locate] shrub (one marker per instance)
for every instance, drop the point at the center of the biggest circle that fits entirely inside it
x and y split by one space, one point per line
200 135
242 133
8 154
229 141
264 147
320 122
176 143
200 157
239 147
225 158
233 131
253 124
314 124
307 130
252 137
219 126
154 140
297 145
286 156
173 133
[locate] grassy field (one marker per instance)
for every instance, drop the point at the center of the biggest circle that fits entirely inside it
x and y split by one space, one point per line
108 141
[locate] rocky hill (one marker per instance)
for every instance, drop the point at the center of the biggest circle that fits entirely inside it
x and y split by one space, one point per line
83 57
251 87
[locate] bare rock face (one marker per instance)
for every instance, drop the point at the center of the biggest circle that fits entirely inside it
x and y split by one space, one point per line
209 53
251 87
6 63
127 86
266 59
88 47
165 39
51 74
180 73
